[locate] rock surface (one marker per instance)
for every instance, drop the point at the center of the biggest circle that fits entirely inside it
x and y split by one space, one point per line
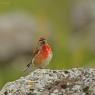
76 81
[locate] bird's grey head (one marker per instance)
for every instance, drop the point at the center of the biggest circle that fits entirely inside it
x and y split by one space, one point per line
42 41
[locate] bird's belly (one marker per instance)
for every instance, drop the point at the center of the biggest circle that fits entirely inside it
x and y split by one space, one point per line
41 61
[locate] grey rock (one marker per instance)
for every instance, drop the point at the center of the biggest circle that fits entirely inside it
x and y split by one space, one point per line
76 81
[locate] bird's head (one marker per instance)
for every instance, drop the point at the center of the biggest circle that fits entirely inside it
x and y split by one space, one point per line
42 41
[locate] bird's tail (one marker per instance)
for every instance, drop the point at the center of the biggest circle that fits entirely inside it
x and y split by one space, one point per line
28 65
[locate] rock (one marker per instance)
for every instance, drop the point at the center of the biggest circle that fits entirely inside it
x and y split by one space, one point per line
76 81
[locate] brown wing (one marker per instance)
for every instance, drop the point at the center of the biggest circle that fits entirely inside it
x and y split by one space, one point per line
30 62
35 52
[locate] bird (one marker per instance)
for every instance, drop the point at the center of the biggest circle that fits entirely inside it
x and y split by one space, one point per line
42 55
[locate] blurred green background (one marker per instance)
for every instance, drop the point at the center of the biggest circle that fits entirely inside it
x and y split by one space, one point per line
69 26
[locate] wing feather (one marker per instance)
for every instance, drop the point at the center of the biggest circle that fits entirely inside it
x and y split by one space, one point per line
30 62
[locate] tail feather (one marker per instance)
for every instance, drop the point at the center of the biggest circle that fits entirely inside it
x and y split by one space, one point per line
28 65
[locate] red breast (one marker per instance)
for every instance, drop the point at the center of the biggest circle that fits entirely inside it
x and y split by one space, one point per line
46 50
43 54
